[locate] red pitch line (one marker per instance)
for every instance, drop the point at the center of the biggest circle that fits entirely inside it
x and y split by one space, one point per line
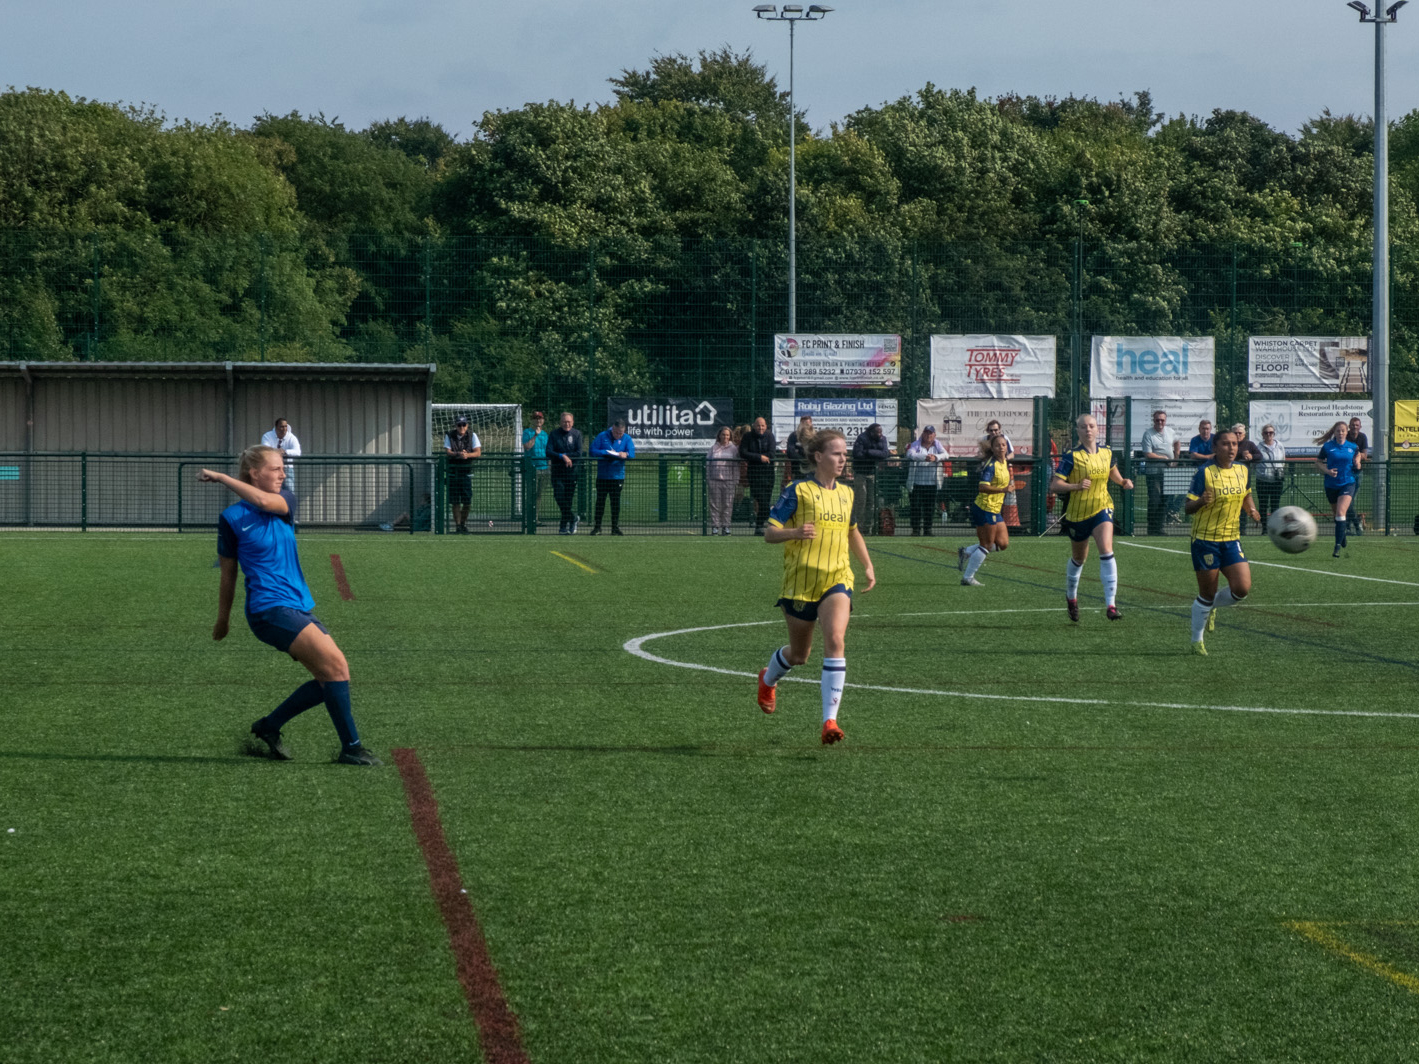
498 1031
341 584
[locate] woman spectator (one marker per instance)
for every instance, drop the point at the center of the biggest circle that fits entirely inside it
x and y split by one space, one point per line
799 466
722 477
1270 472
924 458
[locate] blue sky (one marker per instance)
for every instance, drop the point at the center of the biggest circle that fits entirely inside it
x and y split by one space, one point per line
363 60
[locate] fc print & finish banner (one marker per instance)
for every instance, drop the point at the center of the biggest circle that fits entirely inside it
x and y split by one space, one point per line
848 416
1309 364
960 423
1406 425
992 367
1301 423
671 423
1152 367
843 360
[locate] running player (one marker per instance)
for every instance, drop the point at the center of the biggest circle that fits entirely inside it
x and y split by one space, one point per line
1217 496
813 520
1339 459
991 533
1083 477
258 532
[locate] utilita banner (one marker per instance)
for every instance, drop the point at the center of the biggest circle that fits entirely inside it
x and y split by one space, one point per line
844 360
671 423
1152 367
992 367
960 423
1309 364
1301 423
848 416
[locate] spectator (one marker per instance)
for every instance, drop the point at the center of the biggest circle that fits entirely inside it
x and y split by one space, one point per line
1247 456
563 453
1270 472
461 446
799 465
757 449
1160 445
869 450
722 477
611 448
993 429
1200 446
284 440
924 464
423 514
534 447
1354 518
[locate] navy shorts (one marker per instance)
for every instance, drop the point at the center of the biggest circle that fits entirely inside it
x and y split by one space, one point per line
1332 495
1209 554
981 517
460 488
279 626
1079 531
808 611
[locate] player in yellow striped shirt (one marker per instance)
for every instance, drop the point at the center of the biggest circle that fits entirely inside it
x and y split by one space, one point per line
1216 498
813 520
1083 476
991 534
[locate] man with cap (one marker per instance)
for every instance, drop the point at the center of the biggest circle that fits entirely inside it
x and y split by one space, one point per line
534 449
461 446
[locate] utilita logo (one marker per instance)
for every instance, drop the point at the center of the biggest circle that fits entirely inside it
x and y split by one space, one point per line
1150 363
990 363
671 415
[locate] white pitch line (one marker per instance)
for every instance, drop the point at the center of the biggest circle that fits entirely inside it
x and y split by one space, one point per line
1279 565
636 647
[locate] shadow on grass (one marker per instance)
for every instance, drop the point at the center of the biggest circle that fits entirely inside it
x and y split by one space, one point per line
156 759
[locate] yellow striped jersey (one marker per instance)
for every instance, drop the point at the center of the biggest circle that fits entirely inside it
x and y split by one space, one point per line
811 566
997 475
1220 519
1078 465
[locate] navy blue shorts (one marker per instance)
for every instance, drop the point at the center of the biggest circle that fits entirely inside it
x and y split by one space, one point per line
1079 531
460 487
1333 494
279 626
808 611
981 517
1210 554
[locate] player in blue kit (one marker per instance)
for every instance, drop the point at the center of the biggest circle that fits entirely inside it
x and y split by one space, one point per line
1339 460
258 533
1215 499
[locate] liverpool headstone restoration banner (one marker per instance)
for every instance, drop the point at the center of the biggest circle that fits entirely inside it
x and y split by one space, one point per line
841 360
1309 364
1406 425
992 367
1183 416
848 416
960 423
1152 367
1300 423
666 423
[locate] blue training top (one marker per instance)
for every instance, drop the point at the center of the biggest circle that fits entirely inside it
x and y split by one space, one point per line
608 468
264 544
1341 458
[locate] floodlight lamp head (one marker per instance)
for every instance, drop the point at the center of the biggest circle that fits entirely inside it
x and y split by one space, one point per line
1392 12
1361 8
764 9
793 9
819 10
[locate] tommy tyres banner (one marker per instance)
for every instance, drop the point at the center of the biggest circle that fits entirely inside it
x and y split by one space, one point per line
960 423
992 367
842 360
1152 367
671 423
848 416
1300 423
1406 425
1309 364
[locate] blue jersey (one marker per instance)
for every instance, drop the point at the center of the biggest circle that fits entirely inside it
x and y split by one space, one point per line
264 544
608 468
1341 458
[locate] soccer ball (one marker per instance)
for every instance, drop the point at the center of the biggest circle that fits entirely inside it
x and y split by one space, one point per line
1291 529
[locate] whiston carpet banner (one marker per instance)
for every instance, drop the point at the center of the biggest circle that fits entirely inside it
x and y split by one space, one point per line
841 360
1152 367
1309 364
992 367
960 423
1300 423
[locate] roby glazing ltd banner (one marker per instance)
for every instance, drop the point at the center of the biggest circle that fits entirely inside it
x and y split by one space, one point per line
840 360
1309 364
1300 423
848 416
1152 367
960 423
671 423
992 367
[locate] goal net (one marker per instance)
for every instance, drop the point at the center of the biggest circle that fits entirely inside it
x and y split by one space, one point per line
496 487
498 425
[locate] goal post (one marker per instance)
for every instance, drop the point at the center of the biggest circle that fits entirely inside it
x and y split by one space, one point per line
497 497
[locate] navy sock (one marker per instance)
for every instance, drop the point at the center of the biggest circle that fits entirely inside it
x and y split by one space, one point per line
301 699
1339 532
337 702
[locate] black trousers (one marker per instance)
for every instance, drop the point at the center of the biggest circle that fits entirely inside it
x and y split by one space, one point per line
609 489
564 492
1157 504
761 489
1352 515
1268 497
923 507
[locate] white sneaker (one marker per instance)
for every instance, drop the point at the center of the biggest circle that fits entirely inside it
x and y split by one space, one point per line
971 581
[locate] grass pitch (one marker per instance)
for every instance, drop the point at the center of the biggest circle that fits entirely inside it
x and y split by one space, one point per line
1094 863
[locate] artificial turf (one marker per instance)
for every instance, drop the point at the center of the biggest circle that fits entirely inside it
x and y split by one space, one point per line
664 873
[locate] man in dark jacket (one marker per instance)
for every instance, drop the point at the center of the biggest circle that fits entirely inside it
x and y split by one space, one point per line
869 449
757 449
563 453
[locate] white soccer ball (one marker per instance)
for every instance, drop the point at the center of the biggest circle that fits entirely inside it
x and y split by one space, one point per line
1291 529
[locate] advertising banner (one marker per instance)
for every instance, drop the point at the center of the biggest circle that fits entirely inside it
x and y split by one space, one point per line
848 416
1152 367
1406 426
671 423
1309 364
1183 416
992 367
960 423
1300 423
841 360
